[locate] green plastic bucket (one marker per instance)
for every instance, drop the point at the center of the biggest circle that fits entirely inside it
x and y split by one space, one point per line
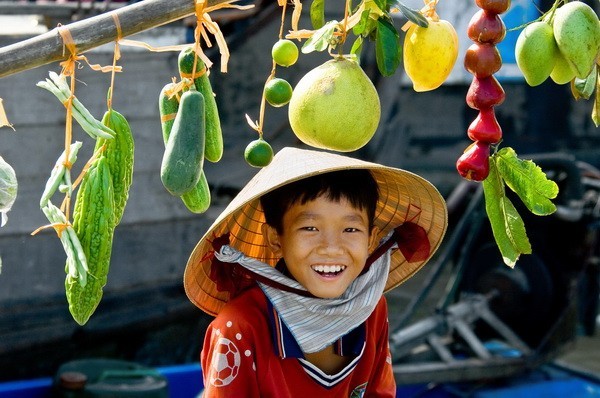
108 378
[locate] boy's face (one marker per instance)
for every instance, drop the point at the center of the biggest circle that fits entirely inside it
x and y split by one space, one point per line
324 244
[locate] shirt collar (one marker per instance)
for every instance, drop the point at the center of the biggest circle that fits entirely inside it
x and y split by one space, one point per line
285 344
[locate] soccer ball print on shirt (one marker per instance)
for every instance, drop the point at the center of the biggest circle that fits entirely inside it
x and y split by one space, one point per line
225 363
226 359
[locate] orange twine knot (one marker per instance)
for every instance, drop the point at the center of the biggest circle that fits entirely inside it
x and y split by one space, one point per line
71 63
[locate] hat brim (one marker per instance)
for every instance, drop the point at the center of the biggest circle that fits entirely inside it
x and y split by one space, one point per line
404 196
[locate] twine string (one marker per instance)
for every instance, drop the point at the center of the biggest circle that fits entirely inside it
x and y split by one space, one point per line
116 57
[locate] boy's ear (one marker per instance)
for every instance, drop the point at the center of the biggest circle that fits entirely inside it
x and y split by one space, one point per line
373 242
272 238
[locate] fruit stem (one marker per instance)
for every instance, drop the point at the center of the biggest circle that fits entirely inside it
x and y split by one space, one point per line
261 116
284 6
549 16
345 25
429 10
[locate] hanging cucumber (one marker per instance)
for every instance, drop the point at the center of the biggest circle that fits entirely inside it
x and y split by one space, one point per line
183 158
214 137
167 107
198 199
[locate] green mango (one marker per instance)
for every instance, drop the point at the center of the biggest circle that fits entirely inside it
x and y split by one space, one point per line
536 52
562 72
577 33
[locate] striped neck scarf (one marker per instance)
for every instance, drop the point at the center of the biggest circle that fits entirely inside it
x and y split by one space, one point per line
314 322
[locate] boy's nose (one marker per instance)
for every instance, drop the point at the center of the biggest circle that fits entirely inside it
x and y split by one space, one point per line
331 244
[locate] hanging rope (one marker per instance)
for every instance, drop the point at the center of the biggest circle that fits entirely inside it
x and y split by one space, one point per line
116 57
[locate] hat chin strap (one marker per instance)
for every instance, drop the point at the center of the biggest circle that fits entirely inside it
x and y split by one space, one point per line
410 238
230 276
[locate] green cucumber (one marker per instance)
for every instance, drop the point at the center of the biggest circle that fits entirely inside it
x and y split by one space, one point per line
167 108
183 158
214 136
198 199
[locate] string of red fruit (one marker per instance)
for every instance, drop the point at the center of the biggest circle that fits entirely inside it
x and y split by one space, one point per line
482 59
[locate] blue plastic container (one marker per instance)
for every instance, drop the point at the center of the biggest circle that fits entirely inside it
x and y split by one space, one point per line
571 388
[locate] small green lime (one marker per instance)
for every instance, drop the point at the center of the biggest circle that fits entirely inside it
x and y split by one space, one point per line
278 92
258 153
284 52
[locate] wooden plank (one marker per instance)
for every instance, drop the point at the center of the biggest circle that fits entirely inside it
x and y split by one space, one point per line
93 32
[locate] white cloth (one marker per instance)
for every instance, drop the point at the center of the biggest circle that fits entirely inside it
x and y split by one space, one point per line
316 323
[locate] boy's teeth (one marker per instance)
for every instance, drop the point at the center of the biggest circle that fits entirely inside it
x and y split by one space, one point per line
328 268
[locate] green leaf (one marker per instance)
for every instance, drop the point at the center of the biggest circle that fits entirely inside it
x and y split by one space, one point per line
583 88
507 225
362 25
528 181
387 50
317 13
357 46
413 16
382 4
321 38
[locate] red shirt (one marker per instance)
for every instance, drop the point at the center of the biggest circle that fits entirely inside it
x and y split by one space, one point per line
248 352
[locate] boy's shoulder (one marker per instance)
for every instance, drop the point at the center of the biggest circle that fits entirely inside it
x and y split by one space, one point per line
380 313
250 305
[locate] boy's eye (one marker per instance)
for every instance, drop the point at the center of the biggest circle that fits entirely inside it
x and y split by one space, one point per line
351 229
309 228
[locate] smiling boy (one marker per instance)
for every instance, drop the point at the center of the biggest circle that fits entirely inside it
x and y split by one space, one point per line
295 269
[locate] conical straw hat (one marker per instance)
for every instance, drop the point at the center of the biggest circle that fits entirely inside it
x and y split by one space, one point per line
404 196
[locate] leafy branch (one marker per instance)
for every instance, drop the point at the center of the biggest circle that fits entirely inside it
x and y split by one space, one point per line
371 20
533 188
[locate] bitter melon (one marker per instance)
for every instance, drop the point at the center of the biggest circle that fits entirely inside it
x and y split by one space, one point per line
94 223
119 153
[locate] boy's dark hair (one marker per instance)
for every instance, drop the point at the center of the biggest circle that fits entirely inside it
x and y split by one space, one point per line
355 185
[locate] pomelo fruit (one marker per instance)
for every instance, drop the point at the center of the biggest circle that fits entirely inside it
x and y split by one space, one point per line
430 54
536 52
335 106
577 33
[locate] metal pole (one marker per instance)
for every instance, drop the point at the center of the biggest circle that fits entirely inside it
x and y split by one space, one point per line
93 32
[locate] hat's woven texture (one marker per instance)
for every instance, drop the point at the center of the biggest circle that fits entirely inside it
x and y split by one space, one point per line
404 196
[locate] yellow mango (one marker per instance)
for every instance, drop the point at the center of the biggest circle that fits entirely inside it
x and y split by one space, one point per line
430 54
